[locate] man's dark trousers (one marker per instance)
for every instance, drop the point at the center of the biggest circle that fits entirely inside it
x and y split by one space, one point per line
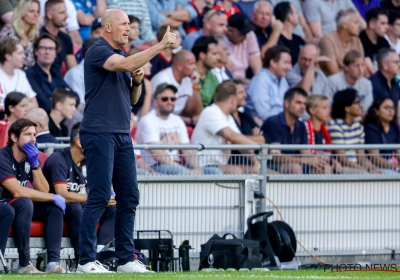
109 160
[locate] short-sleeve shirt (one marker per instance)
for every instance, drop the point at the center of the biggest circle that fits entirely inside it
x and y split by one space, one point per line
371 49
19 82
332 47
325 12
294 45
319 85
66 48
159 63
363 8
153 129
373 135
211 121
108 105
207 88
86 6
277 131
345 134
12 169
5 7
184 88
241 54
59 168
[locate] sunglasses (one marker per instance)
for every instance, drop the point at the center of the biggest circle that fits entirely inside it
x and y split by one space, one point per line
166 98
217 12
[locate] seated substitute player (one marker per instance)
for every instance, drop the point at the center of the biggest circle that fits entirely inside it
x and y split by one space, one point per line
19 164
65 171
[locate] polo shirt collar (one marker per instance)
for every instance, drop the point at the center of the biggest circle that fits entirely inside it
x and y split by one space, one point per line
283 122
104 42
272 76
383 78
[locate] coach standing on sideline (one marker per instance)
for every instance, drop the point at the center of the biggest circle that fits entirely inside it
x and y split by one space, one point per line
112 83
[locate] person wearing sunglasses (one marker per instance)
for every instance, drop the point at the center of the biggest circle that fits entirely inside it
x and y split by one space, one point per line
160 126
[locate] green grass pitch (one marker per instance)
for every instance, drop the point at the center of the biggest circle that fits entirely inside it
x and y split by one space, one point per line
299 274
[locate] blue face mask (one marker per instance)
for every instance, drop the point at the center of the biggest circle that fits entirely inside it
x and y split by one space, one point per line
397 78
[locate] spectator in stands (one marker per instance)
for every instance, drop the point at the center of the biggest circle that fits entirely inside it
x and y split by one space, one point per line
206 52
6 11
183 76
381 127
160 126
217 126
56 19
12 78
363 6
41 119
43 79
267 89
336 44
305 72
245 52
352 76
72 26
227 6
383 81
262 19
287 14
393 33
164 59
65 171
140 10
346 130
373 37
20 164
87 12
321 15
142 106
63 104
172 13
24 25
214 24
245 121
390 4
319 110
286 128
96 33
75 76
134 32
201 7
221 70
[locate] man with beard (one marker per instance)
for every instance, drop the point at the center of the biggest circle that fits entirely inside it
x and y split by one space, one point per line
286 128
206 52
56 19
160 126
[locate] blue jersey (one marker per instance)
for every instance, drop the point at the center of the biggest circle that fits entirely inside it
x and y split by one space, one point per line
10 168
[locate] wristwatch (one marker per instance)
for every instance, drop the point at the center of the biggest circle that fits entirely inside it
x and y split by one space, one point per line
37 167
135 84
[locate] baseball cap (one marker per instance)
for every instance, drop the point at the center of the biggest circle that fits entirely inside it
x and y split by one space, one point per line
161 87
96 23
241 22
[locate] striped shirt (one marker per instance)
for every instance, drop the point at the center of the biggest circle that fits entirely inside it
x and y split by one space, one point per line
344 134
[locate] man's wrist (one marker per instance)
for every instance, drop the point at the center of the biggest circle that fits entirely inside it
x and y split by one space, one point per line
196 87
37 167
135 84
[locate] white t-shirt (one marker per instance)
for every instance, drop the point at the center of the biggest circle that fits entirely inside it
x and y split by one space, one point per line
18 82
184 88
152 129
212 120
396 46
72 20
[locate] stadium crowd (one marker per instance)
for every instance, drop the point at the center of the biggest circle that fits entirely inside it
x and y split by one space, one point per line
240 72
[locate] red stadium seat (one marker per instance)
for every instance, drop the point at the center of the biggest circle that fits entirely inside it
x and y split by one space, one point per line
37 229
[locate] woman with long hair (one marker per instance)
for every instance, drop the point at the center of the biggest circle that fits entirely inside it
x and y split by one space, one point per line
15 108
25 26
380 126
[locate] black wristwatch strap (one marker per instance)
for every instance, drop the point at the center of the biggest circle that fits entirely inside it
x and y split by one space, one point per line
36 167
135 84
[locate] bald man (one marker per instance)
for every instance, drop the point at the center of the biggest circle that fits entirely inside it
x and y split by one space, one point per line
112 84
40 117
305 73
183 75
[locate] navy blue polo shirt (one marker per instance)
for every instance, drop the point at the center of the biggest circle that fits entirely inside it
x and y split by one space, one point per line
373 135
276 130
12 169
108 105
380 89
59 168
